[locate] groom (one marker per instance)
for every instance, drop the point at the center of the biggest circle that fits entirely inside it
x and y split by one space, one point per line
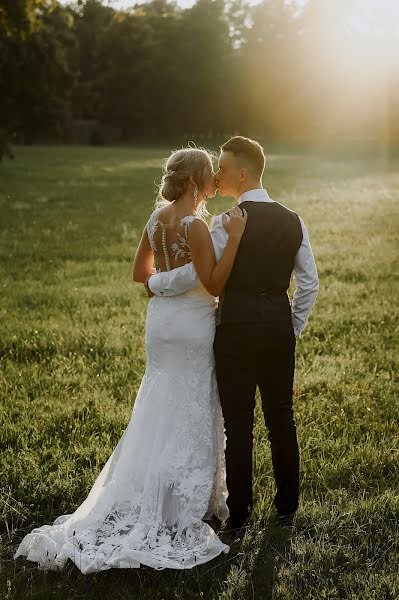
256 327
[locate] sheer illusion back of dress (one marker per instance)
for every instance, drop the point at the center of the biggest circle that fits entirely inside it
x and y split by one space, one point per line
167 473
169 241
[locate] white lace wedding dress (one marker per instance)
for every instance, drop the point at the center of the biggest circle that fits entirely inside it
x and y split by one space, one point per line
167 472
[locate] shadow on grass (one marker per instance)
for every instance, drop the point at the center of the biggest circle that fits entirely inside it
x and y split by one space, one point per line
248 572
263 551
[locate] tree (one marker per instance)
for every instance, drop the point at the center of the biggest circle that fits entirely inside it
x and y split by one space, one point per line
36 68
269 69
203 62
91 24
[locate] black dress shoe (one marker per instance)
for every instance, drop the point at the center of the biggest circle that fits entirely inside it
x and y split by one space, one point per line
233 532
235 525
230 538
213 522
286 521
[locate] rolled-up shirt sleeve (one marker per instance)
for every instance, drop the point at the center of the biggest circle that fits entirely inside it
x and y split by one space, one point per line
306 283
174 282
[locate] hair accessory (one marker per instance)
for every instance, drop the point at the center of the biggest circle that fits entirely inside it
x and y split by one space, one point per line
170 173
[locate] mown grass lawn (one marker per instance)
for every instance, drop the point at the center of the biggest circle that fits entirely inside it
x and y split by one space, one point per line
72 357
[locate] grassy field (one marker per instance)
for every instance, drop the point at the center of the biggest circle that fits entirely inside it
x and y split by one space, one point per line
72 357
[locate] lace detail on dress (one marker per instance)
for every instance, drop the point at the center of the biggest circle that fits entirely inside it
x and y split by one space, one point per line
181 249
169 242
151 229
167 473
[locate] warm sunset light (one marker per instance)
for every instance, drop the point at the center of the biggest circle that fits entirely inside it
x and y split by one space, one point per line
199 237
353 60
364 30
307 70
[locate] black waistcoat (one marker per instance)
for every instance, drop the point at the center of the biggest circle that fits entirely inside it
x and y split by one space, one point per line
256 290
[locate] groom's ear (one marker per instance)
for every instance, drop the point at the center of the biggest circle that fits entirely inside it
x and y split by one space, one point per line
243 174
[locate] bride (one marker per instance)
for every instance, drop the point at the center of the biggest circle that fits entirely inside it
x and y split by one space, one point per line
166 476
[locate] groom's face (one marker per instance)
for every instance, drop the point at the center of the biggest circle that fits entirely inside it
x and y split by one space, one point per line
228 176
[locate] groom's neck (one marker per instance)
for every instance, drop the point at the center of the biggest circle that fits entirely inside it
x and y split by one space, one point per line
253 185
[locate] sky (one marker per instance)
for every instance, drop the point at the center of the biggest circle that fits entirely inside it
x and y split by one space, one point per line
376 17
127 3
366 12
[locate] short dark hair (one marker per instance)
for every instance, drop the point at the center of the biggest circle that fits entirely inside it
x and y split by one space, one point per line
249 150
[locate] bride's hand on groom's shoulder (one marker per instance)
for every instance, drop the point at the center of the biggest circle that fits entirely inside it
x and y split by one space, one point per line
235 225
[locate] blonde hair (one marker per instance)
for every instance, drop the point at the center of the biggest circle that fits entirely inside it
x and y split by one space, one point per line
177 170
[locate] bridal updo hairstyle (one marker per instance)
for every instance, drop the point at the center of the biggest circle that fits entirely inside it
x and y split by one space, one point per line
179 167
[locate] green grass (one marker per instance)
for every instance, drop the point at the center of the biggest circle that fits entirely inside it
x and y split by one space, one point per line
72 357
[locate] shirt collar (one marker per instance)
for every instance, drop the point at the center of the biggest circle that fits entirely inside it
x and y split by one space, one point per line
258 195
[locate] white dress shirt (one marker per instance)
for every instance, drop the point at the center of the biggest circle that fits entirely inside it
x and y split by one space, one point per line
179 280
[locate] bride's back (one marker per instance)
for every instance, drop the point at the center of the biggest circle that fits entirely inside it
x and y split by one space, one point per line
168 237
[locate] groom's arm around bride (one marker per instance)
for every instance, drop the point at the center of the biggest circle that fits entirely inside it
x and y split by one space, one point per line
178 281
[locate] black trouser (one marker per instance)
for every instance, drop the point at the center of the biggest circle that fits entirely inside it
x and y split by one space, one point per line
247 355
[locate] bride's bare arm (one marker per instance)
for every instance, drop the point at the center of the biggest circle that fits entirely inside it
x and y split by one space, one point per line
214 276
143 260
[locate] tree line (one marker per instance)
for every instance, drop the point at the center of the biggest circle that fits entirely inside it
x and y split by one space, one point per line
158 71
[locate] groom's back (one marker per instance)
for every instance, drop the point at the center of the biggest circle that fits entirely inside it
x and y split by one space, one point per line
257 287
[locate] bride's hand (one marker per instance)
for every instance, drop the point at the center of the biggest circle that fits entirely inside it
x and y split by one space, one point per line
236 224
